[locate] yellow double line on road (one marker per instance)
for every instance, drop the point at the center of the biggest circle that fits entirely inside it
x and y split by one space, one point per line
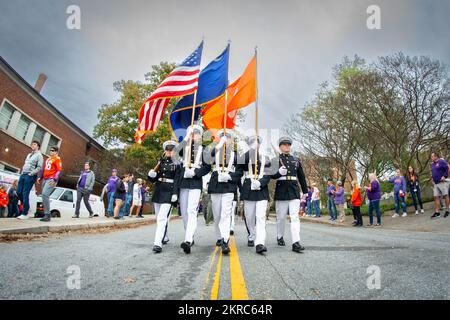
238 288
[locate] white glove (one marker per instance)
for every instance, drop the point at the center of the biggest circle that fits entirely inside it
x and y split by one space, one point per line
224 177
256 185
174 198
152 174
222 141
188 134
188 173
283 171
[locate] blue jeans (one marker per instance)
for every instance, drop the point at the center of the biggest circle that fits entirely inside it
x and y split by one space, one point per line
125 209
332 208
316 206
24 187
13 210
415 195
309 208
399 201
110 209
374 205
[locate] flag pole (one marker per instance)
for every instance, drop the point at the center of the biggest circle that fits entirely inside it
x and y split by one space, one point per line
192 123
225 128
256 116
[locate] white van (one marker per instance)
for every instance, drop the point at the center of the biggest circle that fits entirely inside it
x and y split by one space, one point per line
63 201
7 178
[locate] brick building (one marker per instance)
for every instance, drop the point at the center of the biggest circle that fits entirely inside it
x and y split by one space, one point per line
25 115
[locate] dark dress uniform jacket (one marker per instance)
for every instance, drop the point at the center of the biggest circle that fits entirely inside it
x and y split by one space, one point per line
245 188
196 182
224 187
289 189
163 192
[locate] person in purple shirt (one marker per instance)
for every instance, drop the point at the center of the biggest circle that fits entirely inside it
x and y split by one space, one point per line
110 189
85 185
399 193
339 201
308 201
374 194
330 204
439 173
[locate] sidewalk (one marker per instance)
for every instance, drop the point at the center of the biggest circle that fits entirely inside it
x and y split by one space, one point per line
59 225
412 222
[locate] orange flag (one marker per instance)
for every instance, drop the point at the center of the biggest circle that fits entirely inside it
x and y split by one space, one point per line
241 93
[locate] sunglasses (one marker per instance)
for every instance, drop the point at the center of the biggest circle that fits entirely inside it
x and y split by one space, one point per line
52 150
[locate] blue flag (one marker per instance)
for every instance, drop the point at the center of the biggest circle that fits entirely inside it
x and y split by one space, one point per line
212 83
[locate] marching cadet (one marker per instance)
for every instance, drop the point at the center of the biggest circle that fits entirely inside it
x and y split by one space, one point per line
287 193
191 182
167 176
255 193
222 187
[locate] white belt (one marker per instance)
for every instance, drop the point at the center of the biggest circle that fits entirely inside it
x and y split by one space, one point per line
165 180
287 178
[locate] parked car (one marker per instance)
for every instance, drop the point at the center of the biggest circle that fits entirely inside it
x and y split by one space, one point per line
7 178
63 201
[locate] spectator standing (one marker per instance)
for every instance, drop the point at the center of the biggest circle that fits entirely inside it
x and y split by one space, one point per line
13 203
315 199
340 201
356 201
3 201
374 194
414 188
144 190
440 174
110 189
31 168
125 210
85 185
119 196
309 201
50 176
399 193
330 204
137 197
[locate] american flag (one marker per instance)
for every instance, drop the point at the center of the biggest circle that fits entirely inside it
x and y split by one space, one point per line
183 80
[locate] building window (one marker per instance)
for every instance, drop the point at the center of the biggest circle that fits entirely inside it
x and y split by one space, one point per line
6 113
53 142
39 135
22 127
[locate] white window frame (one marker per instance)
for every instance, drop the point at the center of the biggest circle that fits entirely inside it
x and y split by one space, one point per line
30 133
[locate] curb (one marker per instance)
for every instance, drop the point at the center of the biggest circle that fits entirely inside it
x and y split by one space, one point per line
76 227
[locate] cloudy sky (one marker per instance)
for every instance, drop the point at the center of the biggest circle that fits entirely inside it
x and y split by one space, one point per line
299 41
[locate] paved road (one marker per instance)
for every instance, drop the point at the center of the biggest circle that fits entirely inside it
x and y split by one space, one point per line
121 265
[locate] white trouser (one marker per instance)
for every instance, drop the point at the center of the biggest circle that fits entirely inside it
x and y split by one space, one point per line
233 215
255 217
189 200
162 220
222 204
292 207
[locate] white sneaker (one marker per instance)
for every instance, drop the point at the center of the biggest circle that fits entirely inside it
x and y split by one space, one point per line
395 215
22 217
417 212
421 211
404 214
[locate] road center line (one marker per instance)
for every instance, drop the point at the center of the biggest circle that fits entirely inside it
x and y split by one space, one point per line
215 287
238 288
213 260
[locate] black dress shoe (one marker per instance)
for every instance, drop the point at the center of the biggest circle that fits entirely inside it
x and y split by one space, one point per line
186 246
218 243
157 249
261 248
231 233
251 243
165 241
296 247
281 242
225 248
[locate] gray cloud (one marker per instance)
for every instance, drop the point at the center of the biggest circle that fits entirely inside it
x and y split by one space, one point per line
298 41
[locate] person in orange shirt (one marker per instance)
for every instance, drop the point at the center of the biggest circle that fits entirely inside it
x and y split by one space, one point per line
356 204
50 175
3 200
